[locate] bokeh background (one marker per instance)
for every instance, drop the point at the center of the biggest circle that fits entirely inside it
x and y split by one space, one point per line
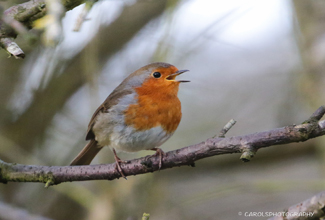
260 62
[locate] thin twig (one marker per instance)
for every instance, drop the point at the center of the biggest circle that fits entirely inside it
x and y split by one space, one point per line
19 28
12 48
226 128
317 115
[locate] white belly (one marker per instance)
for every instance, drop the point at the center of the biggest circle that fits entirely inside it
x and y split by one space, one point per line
129 140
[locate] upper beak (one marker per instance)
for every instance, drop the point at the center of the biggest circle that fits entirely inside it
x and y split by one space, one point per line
179 72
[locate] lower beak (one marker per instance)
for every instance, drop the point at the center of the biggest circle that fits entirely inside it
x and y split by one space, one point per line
179 72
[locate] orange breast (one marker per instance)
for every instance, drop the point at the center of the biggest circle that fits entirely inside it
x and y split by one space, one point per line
155 108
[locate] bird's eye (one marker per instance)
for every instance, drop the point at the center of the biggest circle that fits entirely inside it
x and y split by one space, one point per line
156 74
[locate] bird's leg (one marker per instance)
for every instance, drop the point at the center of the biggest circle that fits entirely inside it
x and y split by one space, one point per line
159 152
117 164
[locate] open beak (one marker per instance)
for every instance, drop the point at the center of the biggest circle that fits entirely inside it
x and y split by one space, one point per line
179 72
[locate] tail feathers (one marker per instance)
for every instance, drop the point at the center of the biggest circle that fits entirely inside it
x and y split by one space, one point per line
87 154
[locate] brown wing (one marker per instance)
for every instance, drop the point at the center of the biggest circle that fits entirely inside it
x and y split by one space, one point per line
90 133
111 100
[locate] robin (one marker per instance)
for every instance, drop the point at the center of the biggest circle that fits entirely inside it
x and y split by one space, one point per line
140 114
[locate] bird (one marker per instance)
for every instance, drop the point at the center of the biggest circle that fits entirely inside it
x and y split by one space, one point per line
140 114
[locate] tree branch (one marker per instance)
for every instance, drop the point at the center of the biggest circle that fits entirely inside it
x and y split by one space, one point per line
226 128
12 48
312 208
52 175
24 13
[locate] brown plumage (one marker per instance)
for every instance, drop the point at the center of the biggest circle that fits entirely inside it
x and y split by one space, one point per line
140 114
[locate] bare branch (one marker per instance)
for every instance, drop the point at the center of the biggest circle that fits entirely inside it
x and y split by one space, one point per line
312 208
226 128
11 26
16 25
52 175
12 48
26 13
317 115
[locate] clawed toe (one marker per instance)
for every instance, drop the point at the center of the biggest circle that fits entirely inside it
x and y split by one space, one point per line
159 152
117 164
119 169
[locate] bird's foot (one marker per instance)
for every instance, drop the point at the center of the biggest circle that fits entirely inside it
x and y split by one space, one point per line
117 164
160 153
